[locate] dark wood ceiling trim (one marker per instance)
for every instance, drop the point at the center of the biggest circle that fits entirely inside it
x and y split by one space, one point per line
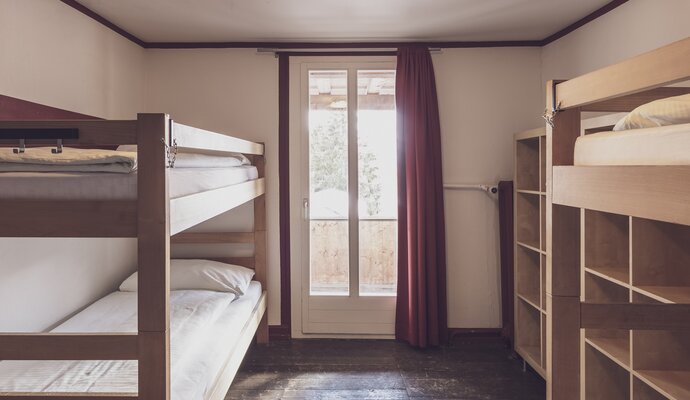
337 45
92 14
583 21
350 45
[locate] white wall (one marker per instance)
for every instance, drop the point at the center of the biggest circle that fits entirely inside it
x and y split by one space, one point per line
485 95
53 55
64 59
234 91
633 28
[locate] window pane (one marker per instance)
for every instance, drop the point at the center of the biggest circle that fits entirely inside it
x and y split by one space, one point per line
328 209
377 174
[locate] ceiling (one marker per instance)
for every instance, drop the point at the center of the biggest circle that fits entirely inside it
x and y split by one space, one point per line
342 20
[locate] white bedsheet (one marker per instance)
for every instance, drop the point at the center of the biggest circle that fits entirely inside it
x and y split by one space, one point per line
205 326
108 186
666 145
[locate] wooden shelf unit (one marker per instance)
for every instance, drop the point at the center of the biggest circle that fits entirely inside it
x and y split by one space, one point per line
530 248
634 260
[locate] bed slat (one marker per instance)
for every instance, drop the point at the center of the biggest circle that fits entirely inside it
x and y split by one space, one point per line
212 237
68 218
54 346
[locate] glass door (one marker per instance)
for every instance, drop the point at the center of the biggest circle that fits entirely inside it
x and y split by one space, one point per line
350 203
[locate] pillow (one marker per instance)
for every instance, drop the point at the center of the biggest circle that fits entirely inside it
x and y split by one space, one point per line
197 160
202 275
662 112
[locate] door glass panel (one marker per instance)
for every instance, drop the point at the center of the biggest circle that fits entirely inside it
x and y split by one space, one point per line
377 182
329 260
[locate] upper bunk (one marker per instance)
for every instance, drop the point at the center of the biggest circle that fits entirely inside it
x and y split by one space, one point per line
90 204
635 172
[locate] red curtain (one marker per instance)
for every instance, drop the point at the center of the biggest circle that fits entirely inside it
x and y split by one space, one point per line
421 317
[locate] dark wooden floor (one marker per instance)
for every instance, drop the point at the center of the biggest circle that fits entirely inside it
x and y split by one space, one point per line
469 369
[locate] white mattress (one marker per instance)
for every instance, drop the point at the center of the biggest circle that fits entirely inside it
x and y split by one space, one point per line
205 326
666 145
109 186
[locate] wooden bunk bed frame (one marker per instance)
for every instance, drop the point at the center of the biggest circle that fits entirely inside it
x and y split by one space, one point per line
156 221
658 193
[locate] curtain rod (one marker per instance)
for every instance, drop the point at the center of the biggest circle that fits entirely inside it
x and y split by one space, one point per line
337 52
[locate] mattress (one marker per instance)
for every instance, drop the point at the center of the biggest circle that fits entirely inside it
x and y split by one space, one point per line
109 186
205 326
666 145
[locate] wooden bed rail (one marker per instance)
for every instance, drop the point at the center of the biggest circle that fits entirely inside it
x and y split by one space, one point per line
663 66
66 346
190 139
651 192
97 132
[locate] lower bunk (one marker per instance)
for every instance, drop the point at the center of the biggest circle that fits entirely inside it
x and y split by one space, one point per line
210 333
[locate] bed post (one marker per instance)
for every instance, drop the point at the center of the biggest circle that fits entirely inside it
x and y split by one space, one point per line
260 256
153 243
563 262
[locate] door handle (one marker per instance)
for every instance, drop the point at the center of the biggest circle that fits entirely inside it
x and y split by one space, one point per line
305 208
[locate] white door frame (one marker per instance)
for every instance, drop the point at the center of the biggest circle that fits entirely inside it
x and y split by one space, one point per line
299 177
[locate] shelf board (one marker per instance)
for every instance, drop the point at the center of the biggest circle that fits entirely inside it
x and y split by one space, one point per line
672 384
529 300
618 350
529 247
534 192
615 275
666 294
532 355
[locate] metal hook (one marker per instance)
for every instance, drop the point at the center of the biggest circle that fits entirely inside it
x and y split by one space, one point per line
58 149
170 152
21 149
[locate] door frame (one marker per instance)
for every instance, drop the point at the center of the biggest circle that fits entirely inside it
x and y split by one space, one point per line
299 173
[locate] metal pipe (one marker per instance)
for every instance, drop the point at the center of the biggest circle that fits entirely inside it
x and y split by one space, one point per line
487 187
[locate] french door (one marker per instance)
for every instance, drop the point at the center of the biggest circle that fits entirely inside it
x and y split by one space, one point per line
349 204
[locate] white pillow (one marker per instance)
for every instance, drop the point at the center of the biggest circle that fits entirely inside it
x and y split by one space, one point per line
196 160
662 112
202 275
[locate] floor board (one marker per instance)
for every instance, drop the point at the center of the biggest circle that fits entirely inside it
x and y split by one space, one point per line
468 369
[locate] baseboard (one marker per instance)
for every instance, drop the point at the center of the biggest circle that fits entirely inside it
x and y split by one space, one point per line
279 332
474 332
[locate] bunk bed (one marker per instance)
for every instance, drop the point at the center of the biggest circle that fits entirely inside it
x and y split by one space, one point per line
144 206
618 236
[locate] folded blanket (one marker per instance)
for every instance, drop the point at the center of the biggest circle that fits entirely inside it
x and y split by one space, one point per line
41 159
